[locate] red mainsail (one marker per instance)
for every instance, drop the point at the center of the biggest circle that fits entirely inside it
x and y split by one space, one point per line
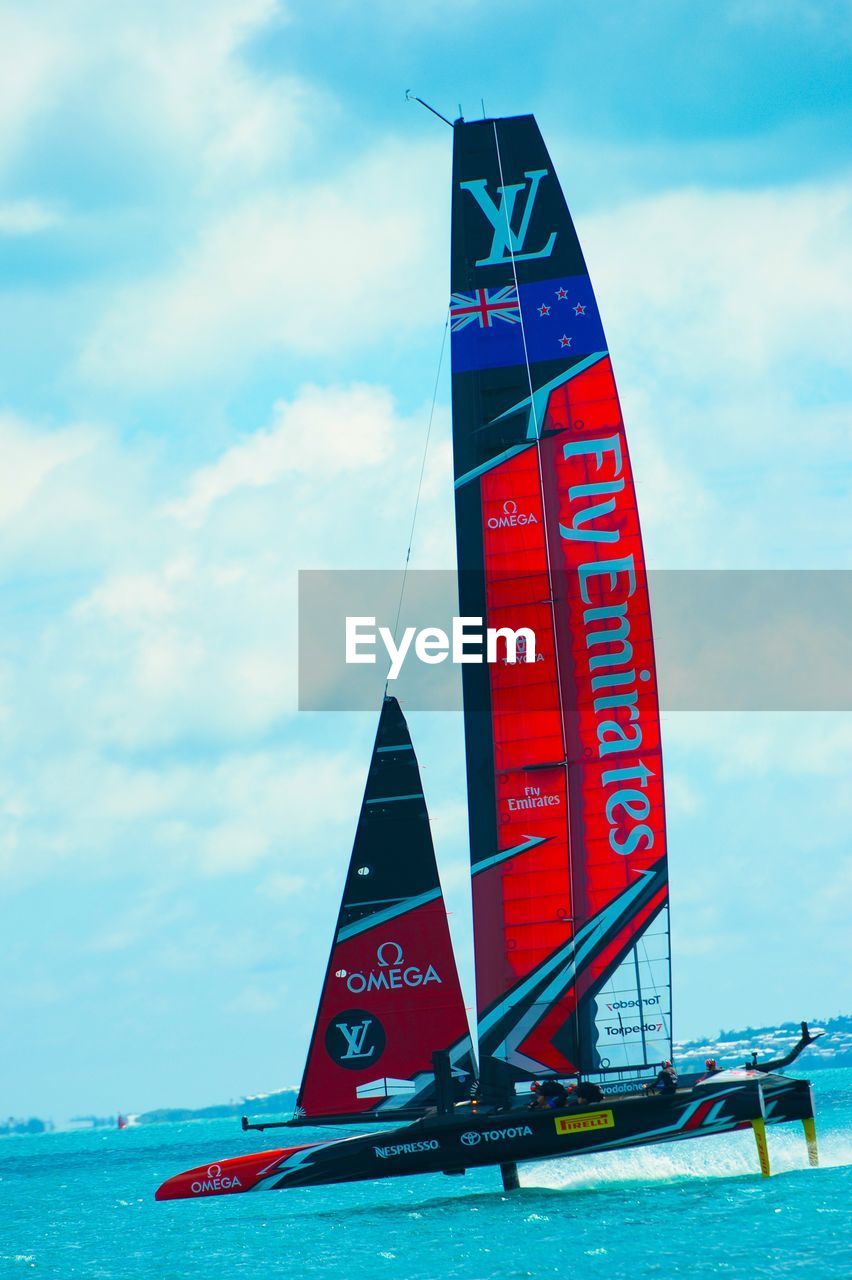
565 789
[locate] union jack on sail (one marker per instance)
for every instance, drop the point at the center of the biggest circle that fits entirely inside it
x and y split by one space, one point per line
485 306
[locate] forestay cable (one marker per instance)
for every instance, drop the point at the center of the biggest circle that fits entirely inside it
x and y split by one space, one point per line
420 479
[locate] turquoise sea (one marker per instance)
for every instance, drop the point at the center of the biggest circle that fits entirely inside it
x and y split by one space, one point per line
80 1204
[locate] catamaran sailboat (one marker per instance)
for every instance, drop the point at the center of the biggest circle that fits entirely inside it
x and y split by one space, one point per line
564 775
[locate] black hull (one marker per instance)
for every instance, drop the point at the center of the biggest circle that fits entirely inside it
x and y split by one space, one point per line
470 1139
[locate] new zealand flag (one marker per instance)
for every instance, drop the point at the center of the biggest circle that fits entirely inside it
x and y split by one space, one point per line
560 318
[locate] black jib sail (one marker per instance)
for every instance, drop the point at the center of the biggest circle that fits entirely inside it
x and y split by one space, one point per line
564 766
391 995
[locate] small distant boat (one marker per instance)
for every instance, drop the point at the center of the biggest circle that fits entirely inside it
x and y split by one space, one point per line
564 775
121 1122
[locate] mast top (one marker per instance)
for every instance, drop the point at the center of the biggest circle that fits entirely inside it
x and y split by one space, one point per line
412 97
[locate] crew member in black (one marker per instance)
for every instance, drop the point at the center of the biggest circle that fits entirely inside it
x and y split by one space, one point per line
666 1081
711 1068
586 1091
550 1093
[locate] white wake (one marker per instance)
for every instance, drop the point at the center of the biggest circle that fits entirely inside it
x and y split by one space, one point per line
729 1155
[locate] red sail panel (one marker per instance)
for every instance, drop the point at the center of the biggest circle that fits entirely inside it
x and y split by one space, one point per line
614 735
563 755
391 996
391 999
531 798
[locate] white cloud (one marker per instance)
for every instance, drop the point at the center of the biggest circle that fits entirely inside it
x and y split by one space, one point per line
322 432
134 599
190 627
32 65
834 21
765 744
173 74
173 660
681 794
323 270
72 500
30 457
186 60
727 314
725 285
255 1000
148 737
155 910
24 217
282 887
177 820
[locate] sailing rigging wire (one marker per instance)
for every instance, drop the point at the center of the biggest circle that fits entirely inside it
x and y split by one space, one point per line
510 242
420 479
667 1026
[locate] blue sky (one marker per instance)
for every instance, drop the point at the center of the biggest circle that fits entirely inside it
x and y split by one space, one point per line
223 248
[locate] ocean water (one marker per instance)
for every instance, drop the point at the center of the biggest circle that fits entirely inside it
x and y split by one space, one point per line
81 1205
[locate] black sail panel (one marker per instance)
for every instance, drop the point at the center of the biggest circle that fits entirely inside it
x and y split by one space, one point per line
391 995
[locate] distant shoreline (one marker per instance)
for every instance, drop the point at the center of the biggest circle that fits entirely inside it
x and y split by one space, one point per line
730 1048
